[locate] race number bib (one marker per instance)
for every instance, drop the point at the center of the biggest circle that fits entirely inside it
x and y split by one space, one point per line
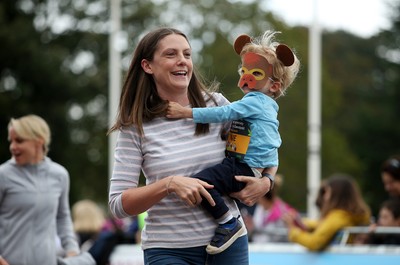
238 139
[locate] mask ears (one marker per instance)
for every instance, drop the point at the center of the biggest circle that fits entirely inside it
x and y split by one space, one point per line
285 55
283 52
240 42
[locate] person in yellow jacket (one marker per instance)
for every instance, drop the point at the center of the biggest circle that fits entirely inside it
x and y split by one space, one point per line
341 205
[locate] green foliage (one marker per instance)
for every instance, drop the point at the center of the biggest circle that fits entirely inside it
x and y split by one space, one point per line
60 71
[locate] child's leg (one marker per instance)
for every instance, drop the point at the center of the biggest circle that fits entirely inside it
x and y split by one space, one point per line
229 228
220 176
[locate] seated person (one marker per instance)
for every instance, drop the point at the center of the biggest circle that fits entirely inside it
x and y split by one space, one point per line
341 206
266 223
389 216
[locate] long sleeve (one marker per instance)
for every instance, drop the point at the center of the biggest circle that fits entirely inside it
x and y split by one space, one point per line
323 234
64 222
251 105
260 113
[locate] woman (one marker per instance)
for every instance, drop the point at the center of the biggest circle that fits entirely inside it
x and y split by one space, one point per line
390 175
341 205
168 152
34 206
266 224
88 220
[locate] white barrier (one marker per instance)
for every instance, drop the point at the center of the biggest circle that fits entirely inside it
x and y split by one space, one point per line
127 255
289 254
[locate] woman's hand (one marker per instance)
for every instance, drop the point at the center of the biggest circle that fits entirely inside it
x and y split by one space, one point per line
190 190
254 190
3 261
289 219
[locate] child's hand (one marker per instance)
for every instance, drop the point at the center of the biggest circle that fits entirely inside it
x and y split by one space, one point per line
176 111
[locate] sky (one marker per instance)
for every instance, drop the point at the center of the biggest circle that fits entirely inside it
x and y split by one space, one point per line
360 17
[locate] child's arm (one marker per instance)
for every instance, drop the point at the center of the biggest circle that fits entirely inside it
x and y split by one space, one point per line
176 111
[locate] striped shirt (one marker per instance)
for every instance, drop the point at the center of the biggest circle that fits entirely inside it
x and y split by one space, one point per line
168 147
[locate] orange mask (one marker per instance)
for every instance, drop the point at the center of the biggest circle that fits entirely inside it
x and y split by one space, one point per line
255 71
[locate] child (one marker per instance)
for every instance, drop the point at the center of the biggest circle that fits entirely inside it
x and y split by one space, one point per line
268 69
389 216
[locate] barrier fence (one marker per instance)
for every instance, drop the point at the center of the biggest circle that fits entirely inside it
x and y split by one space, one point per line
294 254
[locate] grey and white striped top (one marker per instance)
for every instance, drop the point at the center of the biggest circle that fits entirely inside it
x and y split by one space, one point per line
168 147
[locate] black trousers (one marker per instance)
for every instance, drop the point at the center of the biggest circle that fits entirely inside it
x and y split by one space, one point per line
222 176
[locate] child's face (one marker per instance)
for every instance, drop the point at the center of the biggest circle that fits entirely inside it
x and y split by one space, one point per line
255 73
386 218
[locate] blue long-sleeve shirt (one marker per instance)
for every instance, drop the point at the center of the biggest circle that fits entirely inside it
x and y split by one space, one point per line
261 112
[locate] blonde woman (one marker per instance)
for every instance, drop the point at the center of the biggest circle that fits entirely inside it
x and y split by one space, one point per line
34 190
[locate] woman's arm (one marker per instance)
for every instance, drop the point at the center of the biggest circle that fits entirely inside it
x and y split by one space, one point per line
323 233
126 198
65 229
190 190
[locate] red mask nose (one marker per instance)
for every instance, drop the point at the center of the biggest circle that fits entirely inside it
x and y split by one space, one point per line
247 79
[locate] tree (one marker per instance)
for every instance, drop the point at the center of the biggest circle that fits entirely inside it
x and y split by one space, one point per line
54 62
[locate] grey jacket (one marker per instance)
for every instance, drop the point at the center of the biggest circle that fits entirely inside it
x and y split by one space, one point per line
34 209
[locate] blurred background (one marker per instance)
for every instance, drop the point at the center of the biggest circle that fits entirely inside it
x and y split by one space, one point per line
54 62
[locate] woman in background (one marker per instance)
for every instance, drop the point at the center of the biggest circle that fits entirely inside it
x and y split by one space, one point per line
34 206
89 220
390 175
266 224
341 205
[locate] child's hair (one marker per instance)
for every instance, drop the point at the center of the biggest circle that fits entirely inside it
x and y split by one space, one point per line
393 205
265 45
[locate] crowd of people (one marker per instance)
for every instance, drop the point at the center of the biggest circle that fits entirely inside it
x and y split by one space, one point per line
341 205
181 226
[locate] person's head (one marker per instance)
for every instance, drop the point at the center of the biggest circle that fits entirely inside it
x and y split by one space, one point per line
87 216
29 138
340 191
161 69
389 213
267 66
390 174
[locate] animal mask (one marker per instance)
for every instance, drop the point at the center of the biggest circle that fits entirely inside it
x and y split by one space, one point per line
255 71
283 52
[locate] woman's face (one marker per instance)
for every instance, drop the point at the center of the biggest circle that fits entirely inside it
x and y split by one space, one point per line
171 66
391 185
24 151
327 194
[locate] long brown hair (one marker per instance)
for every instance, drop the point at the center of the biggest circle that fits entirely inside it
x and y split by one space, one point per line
139 101
345 195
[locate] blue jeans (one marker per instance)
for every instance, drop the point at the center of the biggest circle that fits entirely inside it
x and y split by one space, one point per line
236 254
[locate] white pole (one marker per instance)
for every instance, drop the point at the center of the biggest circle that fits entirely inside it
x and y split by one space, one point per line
114 87
314 114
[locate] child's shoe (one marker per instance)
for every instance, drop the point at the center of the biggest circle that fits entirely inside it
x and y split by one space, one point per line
225 235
